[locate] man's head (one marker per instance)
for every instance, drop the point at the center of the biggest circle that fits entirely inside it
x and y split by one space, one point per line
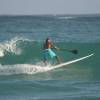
48 40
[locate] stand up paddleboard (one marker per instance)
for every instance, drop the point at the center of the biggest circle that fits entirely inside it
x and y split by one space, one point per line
37 69
49 68
70 62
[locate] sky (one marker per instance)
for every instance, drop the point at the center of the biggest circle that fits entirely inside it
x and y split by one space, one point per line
34 7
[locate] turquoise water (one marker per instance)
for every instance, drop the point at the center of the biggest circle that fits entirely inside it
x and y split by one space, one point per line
21 40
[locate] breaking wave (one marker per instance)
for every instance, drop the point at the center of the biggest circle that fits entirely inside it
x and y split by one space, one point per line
22 69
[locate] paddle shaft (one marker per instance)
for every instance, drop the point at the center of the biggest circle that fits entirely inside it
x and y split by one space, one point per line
72 51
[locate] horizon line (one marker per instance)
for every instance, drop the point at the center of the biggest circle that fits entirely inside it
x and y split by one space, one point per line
49 14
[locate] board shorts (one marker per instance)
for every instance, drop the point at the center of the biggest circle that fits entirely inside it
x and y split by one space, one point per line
49 54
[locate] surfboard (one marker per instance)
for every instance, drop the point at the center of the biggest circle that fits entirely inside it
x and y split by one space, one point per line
70 62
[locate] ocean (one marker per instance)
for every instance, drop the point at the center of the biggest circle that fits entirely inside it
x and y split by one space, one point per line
21 54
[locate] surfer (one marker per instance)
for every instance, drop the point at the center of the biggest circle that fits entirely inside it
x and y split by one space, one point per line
48 52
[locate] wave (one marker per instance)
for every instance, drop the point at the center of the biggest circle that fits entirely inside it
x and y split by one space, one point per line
23 69
65 17
10 46
20 51
17 50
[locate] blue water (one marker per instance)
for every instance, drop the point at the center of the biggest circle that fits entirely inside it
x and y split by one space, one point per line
21 43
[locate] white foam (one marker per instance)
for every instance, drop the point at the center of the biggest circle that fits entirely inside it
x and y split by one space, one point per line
66 17
22 69
11 46
1 51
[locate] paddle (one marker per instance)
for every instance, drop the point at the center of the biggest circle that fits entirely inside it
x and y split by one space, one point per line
72 51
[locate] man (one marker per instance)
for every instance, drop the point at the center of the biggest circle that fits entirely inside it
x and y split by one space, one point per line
48 52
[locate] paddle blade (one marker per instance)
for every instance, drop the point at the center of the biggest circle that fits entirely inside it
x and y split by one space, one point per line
74 51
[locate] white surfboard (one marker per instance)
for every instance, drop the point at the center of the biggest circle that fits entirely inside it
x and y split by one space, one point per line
70 62
36 69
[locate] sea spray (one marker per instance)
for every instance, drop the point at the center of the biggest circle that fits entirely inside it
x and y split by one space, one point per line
12 46
22 69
